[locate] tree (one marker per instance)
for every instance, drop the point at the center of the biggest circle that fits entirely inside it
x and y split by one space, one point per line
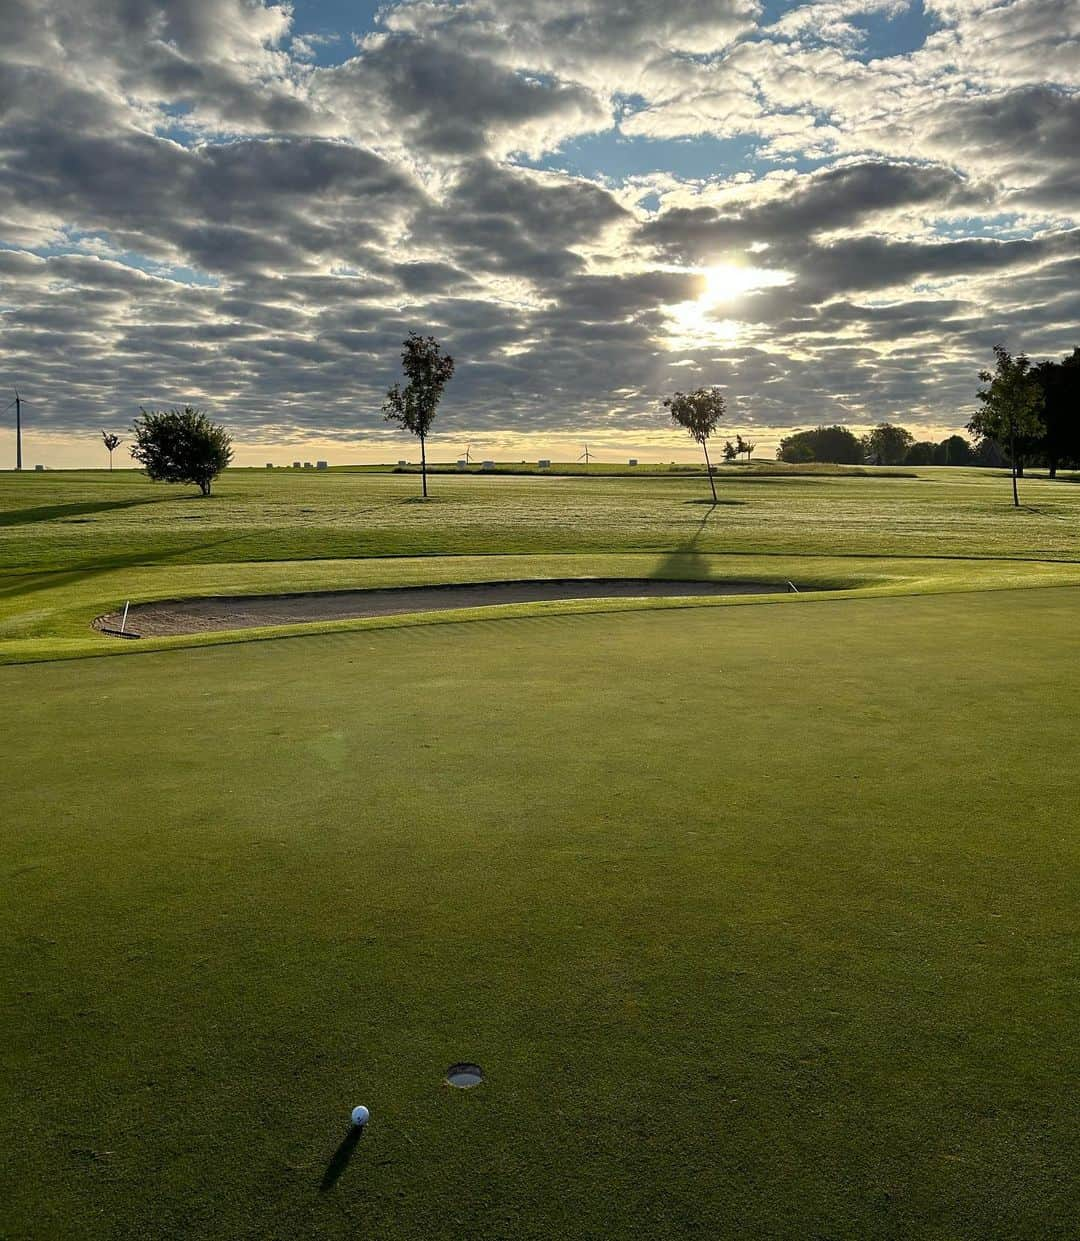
954 450
1011 401
1060 384
987 455
744 446
698 413
835 444
112 443
887 444
428 371
921 453
730 451
181 446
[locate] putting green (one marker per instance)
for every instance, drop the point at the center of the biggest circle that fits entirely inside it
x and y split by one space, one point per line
761 921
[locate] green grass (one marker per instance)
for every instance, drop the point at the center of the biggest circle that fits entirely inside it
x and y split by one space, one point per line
75 545
762 922
760 914
92 522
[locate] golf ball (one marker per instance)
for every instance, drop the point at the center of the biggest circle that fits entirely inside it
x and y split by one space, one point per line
360 1116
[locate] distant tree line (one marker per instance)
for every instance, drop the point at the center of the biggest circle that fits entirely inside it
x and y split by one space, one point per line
1045 433
886 444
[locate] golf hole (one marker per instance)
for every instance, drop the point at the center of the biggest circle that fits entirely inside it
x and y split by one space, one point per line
464 1076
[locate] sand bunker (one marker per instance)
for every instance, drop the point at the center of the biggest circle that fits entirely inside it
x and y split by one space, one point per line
178 616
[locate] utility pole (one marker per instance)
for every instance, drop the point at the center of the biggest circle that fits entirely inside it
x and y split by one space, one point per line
18 427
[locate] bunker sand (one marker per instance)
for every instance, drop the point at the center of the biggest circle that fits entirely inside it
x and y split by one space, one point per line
220 612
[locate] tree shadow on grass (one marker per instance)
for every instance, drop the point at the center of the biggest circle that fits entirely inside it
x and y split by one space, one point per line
50 512
1042 512
339 1161
15 584
687 562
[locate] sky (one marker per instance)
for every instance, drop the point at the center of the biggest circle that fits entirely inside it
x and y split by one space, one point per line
831 211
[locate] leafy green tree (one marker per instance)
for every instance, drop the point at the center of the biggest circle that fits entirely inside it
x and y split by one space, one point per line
1011 400
921 453
428 371
698 413
836 445
730 451
181 446
954 450
112 443
888 444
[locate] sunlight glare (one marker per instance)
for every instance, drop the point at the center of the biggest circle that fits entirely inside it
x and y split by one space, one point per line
697 323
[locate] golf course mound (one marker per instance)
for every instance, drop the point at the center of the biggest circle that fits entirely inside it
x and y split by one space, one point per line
210 614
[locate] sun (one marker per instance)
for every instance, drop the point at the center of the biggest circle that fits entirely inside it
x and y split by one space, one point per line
698 322
728 280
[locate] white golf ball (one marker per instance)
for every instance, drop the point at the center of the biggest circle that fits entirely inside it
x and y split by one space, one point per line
360 1116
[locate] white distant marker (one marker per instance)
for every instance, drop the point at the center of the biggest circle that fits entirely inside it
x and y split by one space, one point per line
360 1116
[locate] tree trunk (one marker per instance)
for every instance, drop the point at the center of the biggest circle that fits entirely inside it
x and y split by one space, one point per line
1053 469
205 488
708 470
423 467
1012 456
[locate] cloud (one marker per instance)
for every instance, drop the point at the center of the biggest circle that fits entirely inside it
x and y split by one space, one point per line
611 45
835 198
194 207
1029 136
449 103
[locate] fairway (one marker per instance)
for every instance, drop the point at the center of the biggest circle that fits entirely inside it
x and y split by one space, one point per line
758 914
77 545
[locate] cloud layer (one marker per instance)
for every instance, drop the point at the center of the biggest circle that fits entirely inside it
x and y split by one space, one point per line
194 207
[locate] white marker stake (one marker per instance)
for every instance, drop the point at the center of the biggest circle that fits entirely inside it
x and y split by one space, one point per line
790 584
123 623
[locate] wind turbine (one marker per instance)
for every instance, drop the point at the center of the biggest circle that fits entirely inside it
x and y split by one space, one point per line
585 456
468 454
